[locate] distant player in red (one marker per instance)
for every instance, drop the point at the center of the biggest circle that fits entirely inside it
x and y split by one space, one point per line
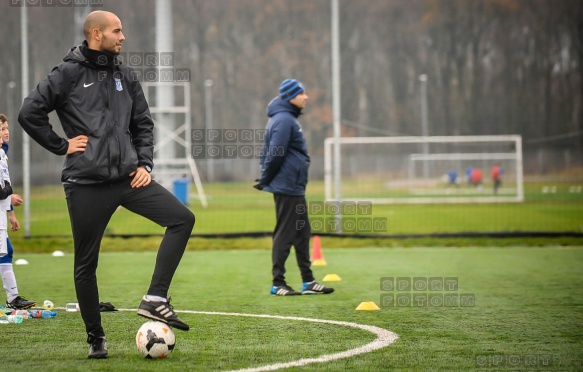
476 177
496 177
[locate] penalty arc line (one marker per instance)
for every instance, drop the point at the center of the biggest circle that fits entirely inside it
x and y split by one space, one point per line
384 339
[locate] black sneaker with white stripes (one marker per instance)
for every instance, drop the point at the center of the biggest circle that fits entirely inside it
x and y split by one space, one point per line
283 290
20 303
162 312
98 348
315 288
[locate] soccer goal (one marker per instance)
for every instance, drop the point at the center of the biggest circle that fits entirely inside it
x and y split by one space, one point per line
432 169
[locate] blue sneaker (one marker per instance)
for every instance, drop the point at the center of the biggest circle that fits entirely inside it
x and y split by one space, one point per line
283 290
315 288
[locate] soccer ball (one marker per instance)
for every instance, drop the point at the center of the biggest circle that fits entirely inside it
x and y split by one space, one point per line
155 340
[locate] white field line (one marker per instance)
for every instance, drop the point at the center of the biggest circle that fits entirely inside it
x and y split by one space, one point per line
384 339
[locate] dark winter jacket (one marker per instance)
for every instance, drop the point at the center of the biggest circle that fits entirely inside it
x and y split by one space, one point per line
97 96
284 158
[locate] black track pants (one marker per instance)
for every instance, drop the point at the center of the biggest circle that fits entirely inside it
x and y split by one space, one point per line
292 228
91 208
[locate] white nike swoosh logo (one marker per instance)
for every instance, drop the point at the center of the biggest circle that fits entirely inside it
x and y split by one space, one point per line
88 85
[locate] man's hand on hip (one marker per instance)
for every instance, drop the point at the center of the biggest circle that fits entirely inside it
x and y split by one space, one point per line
77 144
141 178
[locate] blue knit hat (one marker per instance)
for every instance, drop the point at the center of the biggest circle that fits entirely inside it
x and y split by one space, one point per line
289 89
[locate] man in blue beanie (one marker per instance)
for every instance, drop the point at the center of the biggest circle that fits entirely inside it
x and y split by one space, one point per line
284 173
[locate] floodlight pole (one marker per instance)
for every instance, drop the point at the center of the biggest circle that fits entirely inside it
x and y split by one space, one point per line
336 106
424 122
25 137
10 99
208 100
165 93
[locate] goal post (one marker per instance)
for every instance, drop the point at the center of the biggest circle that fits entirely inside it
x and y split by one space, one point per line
432 169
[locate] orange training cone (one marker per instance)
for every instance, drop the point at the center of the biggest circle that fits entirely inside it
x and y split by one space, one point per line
317 257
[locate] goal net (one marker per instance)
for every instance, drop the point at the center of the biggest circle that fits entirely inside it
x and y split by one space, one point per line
433 169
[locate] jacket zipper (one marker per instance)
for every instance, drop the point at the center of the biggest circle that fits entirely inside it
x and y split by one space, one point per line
108 125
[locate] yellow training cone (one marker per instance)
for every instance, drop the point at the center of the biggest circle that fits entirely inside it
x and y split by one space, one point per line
368 306
331 278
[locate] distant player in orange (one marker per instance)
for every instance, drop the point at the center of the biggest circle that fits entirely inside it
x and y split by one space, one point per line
497 171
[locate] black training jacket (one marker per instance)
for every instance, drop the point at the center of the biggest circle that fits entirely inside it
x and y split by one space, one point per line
97 96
